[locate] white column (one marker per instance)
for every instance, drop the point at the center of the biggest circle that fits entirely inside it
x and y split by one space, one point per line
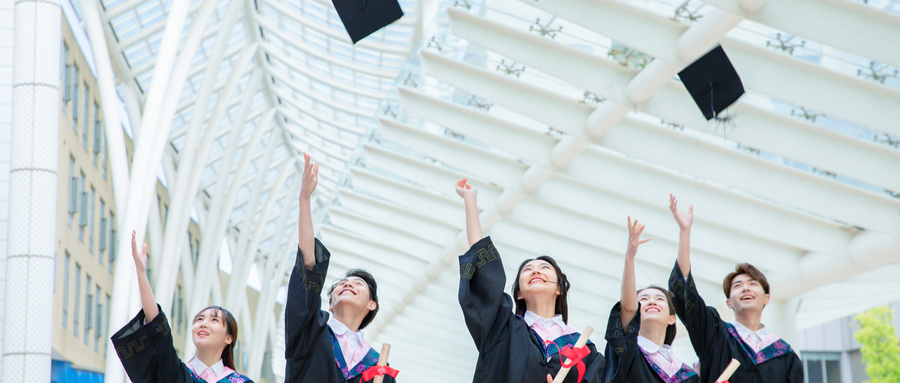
6 67
32 192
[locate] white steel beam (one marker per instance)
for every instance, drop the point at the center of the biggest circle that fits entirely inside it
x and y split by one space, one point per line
706 159
276 265
862 31
191 167
247 246
286 77
598 168
115 139
849 98
333 33
149 147
803 142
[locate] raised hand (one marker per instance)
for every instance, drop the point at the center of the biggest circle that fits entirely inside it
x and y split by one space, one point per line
310 178
685 220
465 190
140 259
473 224
634 237
148 302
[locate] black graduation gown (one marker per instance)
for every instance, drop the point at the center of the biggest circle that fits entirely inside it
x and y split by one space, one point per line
626 362
508 350
716 342
312 352
148 355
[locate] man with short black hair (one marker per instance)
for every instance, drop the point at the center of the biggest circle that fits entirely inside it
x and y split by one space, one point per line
319 349
764 356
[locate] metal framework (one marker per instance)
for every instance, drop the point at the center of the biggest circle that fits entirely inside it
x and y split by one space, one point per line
574 135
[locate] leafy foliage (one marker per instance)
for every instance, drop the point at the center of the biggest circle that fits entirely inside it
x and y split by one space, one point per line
879 345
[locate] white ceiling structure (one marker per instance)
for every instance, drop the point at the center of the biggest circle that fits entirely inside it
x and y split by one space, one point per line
566 114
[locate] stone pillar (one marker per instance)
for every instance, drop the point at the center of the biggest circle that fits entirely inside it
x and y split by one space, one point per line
32 192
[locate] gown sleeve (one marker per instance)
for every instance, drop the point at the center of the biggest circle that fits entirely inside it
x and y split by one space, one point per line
621 345
486 308
795 369
702 323
147 352
304 318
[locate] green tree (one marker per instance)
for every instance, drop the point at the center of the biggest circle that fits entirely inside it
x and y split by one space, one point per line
879 345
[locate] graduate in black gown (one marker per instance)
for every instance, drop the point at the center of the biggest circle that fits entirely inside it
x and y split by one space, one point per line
319 349
764 357
642 351
524 346
145 346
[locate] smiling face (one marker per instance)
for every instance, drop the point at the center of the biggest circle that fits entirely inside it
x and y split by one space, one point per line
747 293
657 311
541 279
210 329
537 278
352 292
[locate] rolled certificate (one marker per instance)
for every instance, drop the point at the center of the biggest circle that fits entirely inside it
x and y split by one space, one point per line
382 360
582 340
732 367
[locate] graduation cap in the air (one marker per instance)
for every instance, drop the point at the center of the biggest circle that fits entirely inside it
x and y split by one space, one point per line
363 17
712 82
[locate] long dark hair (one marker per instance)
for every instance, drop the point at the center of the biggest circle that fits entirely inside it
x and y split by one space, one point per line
562 307
373 292
672 328
231 328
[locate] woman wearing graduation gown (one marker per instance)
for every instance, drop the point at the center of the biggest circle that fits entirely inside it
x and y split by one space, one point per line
524 346
319 349
764 357
145 346
642 352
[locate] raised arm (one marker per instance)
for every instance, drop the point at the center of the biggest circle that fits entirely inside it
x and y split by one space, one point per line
629 299
685 220
148 302
307 237
473 224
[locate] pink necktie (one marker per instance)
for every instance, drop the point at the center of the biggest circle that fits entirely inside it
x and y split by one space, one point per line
208 373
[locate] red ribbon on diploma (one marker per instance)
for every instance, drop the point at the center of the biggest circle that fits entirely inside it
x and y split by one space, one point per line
374 371
723 381
575 356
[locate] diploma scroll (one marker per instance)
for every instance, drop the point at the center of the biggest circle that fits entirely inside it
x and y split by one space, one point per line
582 340
732 367
382 360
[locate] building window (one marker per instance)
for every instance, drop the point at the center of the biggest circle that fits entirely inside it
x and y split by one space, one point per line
63 72
82 199
73 94
77 297
98 138
91 216
105 150
73 190
65 297
112 241
102 242
84 135
822 367
98 330
106 328
88 311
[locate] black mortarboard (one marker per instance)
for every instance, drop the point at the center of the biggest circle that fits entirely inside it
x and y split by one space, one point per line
363 17
712 82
